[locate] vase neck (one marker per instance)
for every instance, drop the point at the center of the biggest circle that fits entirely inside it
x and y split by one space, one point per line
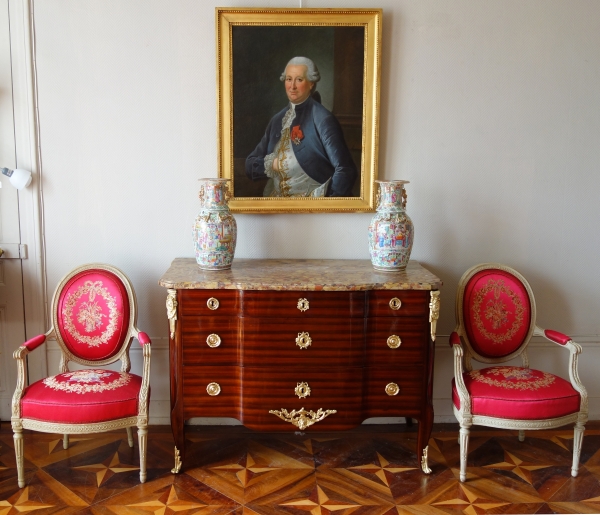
214 195
391 196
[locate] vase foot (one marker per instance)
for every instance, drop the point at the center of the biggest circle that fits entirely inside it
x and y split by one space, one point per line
214 267
395 269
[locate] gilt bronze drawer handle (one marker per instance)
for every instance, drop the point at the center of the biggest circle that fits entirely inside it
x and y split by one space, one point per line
395 303
303 305
213 340
213 389
393 342
302 390
302 418
303 340
392 389
212 303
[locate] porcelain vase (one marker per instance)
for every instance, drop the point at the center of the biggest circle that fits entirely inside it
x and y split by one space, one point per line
391 230
215 229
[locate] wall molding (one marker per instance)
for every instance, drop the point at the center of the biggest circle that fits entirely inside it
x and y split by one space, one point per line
160 404
27 146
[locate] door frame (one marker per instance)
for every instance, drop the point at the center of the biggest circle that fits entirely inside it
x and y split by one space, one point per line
28 156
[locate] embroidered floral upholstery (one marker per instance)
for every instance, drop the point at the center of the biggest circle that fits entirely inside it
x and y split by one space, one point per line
83 396
518 393
497 313
94 323
93 314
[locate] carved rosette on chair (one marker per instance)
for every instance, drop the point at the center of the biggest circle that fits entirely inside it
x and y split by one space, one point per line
94 322
215 229
391 230
496 316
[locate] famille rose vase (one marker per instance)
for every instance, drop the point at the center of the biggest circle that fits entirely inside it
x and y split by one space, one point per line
391 229
215 230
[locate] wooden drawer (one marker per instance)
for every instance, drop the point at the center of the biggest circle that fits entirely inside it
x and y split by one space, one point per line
413 335
195 302
198 403
409 400
274 388
412 303
195 330
336 342
271 304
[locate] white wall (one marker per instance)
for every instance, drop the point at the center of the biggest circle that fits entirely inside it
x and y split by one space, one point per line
491 110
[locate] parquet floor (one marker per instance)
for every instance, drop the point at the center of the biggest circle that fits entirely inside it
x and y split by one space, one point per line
372 470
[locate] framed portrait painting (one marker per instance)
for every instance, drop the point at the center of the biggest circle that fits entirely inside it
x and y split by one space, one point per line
298 108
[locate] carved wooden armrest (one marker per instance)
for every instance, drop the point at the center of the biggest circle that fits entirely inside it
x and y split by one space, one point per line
574 351
463 394
553 336
145 342
143 338
20 355
34 343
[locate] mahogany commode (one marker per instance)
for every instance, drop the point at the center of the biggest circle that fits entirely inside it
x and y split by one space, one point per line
288 345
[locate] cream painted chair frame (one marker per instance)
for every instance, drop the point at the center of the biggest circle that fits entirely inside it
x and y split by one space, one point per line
464 352
140 421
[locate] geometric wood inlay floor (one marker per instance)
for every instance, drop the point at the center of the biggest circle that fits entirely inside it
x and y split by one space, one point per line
370 470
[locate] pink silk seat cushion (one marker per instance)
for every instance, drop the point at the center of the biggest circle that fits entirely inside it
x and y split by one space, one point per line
83 396
518 393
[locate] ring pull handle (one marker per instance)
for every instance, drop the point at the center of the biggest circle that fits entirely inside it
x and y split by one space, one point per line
392 389
213 389
213 340
394 341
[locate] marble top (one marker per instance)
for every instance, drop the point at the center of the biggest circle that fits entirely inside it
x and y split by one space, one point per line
298 275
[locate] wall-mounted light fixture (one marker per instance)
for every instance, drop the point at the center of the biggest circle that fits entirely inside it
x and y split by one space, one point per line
18 178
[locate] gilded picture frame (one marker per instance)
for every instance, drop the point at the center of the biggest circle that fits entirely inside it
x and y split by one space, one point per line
254 48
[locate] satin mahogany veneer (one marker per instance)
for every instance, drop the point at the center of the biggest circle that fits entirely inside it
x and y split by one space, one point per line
281 335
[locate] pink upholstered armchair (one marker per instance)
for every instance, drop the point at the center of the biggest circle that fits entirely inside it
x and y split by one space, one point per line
495 311
94 315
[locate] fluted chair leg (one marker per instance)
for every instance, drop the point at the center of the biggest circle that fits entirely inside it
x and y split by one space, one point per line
65 441
143 440
129 436
18 438
464 450
577 441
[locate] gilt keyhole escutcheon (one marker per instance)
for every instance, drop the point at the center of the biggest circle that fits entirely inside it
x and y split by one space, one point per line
303 305
303 340
302 390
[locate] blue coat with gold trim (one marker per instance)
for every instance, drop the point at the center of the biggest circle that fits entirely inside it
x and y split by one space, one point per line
322 152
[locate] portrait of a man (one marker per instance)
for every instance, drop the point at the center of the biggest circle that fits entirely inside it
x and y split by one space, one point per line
303 152
297 115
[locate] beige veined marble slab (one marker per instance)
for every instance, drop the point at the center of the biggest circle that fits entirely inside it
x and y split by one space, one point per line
297 274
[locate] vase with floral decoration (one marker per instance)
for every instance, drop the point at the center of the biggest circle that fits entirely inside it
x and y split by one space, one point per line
391 230
215 229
